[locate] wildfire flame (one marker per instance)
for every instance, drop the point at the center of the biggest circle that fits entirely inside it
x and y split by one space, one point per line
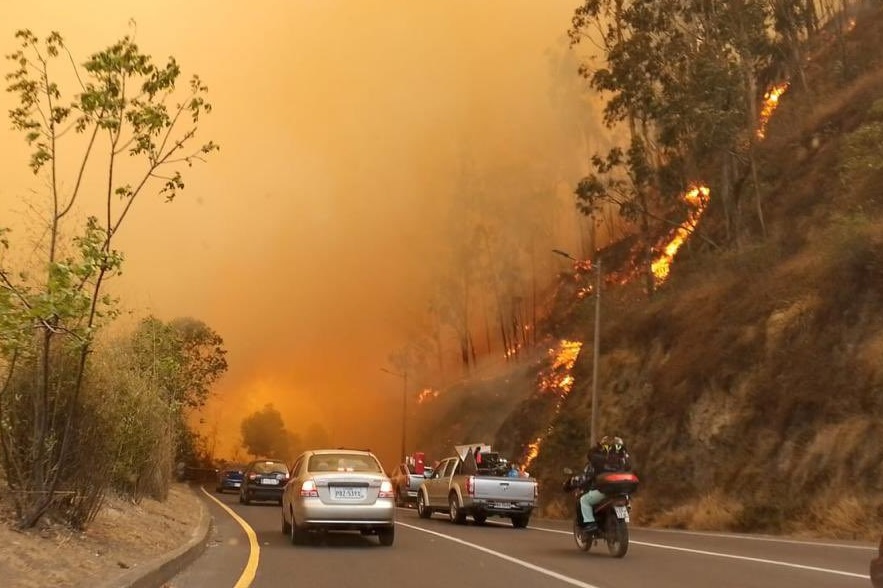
426 395
770 103
697 199
533 450
557 380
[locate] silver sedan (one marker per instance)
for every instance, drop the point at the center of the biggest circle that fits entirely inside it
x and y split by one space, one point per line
338 490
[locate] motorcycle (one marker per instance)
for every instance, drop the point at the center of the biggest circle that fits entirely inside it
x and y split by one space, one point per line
611 515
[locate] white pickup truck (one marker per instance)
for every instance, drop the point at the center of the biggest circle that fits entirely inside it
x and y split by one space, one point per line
459 488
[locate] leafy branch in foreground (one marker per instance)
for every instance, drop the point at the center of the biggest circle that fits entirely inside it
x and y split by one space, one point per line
130 122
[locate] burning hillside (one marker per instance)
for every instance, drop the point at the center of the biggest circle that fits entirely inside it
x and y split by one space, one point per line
558 380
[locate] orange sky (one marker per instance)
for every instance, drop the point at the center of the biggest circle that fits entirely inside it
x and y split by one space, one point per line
311 240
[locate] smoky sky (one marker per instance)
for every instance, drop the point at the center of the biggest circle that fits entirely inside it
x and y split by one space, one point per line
311 240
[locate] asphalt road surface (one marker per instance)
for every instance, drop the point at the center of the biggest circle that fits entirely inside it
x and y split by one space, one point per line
434 553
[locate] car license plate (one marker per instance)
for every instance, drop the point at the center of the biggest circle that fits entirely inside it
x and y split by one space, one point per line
622 513
502 505
237 484
347 493
270 482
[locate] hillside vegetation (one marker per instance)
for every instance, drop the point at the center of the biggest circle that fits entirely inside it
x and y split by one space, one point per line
749 387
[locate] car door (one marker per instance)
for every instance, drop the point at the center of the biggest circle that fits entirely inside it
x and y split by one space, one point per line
441 479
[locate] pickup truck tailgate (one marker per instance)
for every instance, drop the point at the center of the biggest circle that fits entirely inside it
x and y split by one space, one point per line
505 489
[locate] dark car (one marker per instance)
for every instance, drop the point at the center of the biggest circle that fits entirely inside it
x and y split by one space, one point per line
230 477
877 567
263 479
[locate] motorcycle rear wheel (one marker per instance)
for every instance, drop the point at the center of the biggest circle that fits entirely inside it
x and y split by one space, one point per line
617 536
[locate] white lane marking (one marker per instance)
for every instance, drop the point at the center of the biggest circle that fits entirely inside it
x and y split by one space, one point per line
756 559
728 556
509 558
762 538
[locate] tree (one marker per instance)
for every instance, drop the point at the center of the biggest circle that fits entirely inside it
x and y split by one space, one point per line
180 360
681 76
135 130
316 437
264 433
185 357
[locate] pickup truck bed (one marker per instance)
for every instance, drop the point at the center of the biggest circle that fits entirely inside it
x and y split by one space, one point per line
405 483
479 496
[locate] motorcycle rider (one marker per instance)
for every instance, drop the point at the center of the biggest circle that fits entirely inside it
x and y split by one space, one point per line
608 455
620 455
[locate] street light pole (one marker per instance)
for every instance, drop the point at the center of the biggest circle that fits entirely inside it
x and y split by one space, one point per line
596 265
404 377
596 345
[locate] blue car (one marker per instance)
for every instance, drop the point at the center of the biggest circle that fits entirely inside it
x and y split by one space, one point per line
230 478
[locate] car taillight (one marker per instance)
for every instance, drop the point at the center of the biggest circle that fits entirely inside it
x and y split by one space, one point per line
386 490
252 476
309 489
470 486
535 491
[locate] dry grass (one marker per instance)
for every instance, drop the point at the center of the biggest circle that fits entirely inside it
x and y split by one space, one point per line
710 512
123 536
831 514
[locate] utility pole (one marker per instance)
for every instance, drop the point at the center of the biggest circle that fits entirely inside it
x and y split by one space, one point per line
404 377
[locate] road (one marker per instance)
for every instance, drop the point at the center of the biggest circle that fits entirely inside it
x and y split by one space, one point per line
437 554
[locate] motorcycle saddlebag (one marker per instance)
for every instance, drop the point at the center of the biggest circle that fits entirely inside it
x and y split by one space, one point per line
616 482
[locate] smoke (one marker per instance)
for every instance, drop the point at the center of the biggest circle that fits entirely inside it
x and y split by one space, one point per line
314 239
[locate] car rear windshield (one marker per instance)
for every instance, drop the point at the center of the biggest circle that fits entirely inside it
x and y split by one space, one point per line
270 467
343 462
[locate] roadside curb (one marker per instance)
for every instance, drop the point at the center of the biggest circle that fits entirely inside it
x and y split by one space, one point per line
156 572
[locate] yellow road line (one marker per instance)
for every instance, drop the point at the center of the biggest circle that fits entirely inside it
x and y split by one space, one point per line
254 553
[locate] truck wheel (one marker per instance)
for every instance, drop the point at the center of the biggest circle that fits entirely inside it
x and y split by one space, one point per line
479 518
458 517
520 521
423 511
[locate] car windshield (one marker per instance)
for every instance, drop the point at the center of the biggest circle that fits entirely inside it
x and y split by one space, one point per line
270 467
343 462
